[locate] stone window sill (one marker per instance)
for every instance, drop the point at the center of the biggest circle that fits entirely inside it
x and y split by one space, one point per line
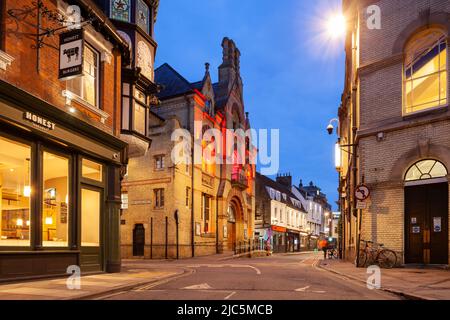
5 60
97 111
426 112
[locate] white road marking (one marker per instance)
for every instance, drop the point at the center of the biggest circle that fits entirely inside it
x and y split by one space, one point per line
258 272
202 286
164 281
302 289
319 291
230 295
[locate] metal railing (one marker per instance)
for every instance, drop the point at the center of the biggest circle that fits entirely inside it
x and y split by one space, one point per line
249 246
239 179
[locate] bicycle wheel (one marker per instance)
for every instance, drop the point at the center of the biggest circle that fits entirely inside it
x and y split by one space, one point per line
335 254
362 259
387 258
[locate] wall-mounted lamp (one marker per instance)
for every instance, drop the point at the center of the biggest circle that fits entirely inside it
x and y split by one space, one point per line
337 156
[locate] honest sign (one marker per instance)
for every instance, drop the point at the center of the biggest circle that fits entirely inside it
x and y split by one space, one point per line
71 54
39 121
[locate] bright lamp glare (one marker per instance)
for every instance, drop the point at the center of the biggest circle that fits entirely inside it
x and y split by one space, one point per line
337 26
337 156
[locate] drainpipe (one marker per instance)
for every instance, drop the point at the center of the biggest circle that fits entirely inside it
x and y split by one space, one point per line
355 172
192 203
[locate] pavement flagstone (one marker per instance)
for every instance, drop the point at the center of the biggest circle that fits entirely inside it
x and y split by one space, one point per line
90 285
411 282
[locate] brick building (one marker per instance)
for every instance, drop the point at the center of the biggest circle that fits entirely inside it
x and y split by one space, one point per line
61 156
184 210
395 128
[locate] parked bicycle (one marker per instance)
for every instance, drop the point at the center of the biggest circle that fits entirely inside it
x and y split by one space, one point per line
373 253
333 253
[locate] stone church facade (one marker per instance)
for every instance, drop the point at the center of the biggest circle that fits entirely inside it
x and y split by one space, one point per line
176 209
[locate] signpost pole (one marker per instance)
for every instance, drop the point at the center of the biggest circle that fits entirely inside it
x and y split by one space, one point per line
361 194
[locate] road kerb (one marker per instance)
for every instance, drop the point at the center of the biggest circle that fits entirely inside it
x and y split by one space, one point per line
126 287
393 291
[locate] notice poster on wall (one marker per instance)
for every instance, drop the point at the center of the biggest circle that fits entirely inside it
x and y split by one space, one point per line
437 227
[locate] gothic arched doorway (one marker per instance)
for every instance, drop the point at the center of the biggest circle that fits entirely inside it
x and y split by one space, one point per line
426 213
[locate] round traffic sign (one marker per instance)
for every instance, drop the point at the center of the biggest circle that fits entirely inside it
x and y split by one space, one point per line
362 192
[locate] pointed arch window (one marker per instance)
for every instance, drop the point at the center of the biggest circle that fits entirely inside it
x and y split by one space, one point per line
426 169
425 71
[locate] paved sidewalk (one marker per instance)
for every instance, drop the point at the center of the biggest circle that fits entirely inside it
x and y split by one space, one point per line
91 285
413 283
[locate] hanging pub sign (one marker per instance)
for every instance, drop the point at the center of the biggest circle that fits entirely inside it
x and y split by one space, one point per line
71 54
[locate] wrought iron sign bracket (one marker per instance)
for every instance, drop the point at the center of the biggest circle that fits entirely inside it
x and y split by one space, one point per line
41 13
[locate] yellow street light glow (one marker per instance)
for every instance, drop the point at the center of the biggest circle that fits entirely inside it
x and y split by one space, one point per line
337 25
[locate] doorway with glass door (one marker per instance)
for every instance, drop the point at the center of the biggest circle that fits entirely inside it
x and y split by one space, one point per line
426 214
91 209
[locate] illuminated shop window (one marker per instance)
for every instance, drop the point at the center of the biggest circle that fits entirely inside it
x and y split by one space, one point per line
55 210
92 170
426 169
425 71
15 192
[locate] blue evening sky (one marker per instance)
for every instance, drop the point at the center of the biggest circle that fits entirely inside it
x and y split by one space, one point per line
293 74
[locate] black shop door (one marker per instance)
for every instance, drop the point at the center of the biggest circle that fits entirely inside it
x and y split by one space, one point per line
426 224
138 240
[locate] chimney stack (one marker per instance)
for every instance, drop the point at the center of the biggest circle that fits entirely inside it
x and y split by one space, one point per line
285 179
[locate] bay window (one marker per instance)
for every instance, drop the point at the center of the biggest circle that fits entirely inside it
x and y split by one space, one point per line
425 71
135 110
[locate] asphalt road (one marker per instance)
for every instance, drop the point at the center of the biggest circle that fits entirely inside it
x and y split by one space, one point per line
279 277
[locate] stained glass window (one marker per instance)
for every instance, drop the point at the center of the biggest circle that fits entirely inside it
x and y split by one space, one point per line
121 10
143 16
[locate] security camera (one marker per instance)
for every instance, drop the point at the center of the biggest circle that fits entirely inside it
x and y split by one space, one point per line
330 129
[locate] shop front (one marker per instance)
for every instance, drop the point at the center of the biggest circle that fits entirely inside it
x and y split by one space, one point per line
293 237
59 190
279 239
304 241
